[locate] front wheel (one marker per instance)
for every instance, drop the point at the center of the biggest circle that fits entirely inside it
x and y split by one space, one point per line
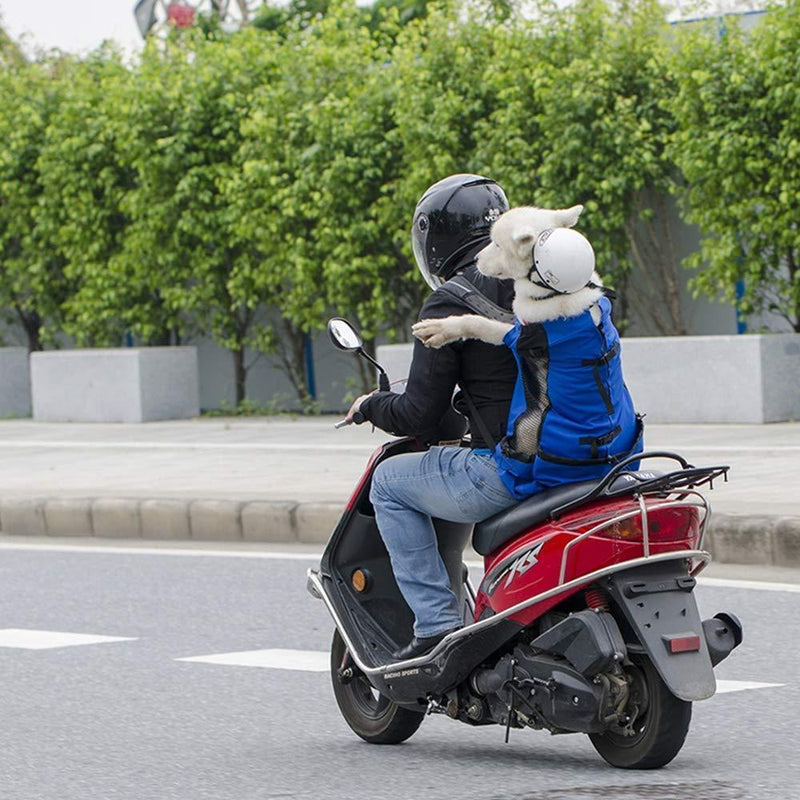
660 724
370 715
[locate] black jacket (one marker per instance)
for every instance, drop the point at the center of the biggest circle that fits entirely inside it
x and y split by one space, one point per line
488 373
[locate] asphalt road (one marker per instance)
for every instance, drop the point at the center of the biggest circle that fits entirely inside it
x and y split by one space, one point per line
124 719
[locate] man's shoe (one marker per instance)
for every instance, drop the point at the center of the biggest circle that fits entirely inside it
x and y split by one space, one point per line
419 646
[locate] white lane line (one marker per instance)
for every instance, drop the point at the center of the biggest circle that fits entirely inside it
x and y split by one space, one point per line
266 555
766 586
26 639
117 444
278 555
173 446
723 687
302 660
732 448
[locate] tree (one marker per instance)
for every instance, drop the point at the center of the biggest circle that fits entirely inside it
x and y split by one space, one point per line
84 181
304 13
738 146
581 120
319 159
440 65
33 284
441 98
182 247
10 52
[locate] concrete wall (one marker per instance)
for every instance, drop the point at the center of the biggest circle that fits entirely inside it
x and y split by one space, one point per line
114 385
336 375
15 382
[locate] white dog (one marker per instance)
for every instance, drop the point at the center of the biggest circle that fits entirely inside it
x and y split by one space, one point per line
571 416
509 255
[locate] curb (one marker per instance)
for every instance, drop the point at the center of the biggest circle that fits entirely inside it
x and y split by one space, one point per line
731 538
771 540
200 520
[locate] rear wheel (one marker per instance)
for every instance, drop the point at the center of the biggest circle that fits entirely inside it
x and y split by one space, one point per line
370 715
661 722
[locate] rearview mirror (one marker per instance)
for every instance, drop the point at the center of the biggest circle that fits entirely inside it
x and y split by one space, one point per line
344 335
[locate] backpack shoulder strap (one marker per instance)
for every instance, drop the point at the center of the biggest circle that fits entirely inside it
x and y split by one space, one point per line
609 293
469 295
474 414
460 288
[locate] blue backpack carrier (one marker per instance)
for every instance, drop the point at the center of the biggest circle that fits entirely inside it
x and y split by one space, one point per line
571 417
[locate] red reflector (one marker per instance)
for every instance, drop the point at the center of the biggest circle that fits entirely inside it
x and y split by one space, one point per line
683 643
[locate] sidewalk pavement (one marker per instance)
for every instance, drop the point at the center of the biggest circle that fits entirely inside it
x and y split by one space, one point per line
285 479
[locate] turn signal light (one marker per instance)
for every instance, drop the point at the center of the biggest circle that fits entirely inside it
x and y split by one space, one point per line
359 580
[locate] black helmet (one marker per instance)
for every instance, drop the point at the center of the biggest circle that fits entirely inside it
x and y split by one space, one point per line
451 224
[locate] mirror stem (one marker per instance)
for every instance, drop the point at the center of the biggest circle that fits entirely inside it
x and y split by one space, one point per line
383 378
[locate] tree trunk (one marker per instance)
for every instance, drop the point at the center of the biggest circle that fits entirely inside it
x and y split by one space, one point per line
656 266
291 361
791 264
240 374
663 246
240 321
161 339
32 325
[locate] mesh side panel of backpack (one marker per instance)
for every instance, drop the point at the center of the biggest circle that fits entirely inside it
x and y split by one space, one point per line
528 425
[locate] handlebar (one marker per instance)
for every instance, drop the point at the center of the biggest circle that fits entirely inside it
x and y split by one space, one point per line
357 419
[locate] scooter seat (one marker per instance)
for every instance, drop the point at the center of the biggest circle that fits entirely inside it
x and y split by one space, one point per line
495 531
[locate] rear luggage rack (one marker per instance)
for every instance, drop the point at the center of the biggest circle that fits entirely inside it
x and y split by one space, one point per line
688 477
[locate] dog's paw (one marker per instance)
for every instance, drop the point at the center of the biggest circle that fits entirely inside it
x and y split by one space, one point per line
435 332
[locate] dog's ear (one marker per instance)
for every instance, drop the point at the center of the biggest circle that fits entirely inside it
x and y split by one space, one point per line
567 217
524 237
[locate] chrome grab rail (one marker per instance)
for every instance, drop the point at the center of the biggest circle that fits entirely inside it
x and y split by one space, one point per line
315 583
317 588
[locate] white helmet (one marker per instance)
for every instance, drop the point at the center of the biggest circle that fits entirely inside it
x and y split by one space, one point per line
563 260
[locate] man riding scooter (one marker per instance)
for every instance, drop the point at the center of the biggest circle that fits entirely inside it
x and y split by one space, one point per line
451 224
584 619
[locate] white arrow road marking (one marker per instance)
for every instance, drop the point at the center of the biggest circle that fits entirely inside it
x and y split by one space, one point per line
739 686
303 660
45 640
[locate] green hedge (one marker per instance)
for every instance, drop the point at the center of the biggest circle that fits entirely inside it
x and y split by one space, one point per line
223 176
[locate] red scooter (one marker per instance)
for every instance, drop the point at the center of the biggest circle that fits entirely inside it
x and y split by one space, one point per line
585 619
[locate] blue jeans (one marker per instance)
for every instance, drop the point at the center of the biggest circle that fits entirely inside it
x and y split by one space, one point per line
451 483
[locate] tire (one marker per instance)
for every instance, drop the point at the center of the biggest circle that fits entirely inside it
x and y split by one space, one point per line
370 715
661 725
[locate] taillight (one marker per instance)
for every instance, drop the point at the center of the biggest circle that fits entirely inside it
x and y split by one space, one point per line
663 525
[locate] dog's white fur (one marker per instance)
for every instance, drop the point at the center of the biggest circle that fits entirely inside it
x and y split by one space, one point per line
509 255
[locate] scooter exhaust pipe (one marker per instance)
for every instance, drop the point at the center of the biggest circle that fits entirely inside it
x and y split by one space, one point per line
487 681
723 634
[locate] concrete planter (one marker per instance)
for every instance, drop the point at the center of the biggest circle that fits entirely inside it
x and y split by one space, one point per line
115 385
696 379
15 382
736 379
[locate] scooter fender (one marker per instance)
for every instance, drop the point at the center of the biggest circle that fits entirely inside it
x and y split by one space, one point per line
658 603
